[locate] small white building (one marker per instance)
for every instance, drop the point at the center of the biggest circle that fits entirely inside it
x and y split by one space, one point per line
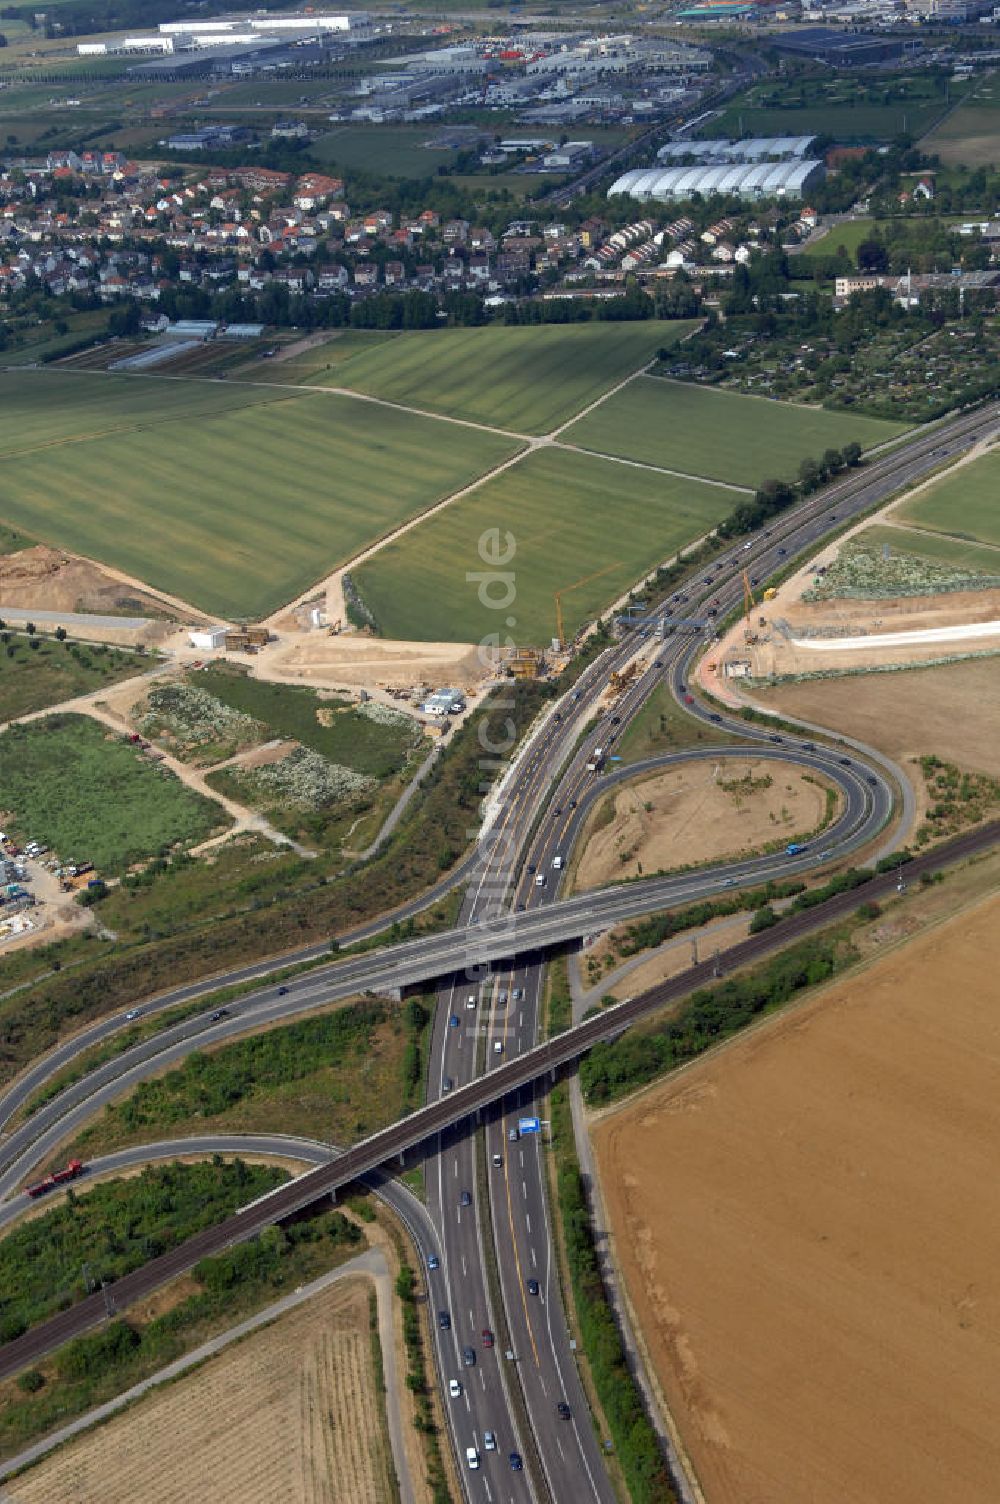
444 702
208 638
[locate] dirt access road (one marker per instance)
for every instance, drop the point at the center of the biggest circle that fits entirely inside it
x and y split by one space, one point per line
808 1224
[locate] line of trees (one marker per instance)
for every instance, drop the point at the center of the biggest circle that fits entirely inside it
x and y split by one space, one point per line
710 1015
776 496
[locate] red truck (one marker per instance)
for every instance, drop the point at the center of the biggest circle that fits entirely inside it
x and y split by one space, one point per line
74 1169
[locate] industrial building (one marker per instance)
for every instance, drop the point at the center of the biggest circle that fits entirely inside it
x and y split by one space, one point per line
751 180
755 149
844 49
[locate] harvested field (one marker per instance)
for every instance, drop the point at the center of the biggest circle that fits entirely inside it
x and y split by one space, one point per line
699 812
290 1414
952 711
809 1243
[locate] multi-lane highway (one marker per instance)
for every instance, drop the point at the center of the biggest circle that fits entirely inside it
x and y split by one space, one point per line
484 1054
463 1105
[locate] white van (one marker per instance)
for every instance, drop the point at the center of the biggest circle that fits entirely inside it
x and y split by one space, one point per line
557 863
472 1457
540 880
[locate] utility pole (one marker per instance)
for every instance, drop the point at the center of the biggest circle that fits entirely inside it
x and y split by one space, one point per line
694 950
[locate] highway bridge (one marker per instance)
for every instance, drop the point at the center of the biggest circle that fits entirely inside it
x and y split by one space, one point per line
509 925
380 1149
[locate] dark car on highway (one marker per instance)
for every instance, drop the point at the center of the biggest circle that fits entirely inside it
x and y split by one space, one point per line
563 1410
469 1357
532 1287
515 1462
487 1337
444 1321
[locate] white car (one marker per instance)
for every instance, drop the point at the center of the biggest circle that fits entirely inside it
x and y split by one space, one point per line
470 1001
455 1388
472 1457
489 1441
498 1046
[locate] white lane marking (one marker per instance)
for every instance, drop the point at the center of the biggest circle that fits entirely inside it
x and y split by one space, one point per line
456 1168
527 1218
524 1190
465 1272
559 1445
522 1159
533 1259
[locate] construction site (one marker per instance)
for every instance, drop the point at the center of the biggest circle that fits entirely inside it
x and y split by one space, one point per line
794 631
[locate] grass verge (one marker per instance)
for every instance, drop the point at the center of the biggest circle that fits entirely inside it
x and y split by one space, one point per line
636 1446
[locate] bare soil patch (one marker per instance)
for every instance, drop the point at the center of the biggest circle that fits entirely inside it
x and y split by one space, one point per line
952 711
47 579
699 812
809 1236
776 652
291 1413
354 659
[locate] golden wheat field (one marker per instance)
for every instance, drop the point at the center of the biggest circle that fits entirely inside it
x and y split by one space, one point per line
290 1415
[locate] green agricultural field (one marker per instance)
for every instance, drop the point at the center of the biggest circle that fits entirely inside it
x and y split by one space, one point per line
92 796
847 108
396 151
965 504
586 527
311 367
970 135
720 435
238 510
43 672
938 548
11 541
527 380
46 408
